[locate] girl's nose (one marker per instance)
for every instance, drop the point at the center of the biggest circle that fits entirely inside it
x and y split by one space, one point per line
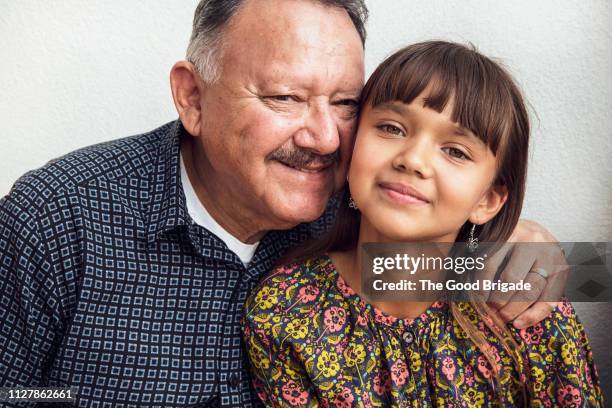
415 157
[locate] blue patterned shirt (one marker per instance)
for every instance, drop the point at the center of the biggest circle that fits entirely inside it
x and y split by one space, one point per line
107 285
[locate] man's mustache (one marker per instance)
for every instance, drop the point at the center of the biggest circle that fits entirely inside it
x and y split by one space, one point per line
301 158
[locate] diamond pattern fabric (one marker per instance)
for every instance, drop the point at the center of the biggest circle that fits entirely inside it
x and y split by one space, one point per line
107 285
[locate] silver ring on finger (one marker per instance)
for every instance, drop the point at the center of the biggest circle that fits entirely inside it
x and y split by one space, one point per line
540 271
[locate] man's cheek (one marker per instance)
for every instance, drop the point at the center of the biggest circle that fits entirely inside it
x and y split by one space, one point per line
348 143
348 136
340 175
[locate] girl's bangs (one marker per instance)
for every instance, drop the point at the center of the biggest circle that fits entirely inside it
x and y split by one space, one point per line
478 90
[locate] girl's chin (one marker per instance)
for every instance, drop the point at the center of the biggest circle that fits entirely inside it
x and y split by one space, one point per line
404 227
393 235
386 231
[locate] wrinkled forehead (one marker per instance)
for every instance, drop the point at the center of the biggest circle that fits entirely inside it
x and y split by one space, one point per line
294 39
291 26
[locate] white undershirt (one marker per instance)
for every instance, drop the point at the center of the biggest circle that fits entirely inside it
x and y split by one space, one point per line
200 216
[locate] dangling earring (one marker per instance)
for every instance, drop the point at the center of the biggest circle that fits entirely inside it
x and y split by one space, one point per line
472 243
352 204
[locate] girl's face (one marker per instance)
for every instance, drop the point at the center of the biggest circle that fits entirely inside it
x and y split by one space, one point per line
418 176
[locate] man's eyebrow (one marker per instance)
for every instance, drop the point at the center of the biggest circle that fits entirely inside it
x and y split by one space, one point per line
350 92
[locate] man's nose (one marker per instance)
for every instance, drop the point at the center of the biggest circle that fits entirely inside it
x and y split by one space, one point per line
320 130
416 157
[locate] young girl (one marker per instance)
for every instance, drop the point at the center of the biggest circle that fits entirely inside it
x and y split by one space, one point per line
441 153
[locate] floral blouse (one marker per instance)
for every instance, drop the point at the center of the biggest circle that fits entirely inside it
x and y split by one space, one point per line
312 341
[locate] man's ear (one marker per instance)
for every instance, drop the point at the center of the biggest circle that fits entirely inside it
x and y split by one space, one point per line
489 205
187 89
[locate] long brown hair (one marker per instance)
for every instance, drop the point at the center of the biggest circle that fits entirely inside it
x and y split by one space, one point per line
487 102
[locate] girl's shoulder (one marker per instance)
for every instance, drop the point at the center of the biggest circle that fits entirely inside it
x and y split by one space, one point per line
562 325
286 283
559 356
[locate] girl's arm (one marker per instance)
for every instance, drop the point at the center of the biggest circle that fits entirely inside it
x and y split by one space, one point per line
561 368
278 377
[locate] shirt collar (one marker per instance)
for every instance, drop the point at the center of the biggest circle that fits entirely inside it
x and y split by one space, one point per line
167 209
200 215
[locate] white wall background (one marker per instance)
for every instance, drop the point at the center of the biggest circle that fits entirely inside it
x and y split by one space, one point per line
74 73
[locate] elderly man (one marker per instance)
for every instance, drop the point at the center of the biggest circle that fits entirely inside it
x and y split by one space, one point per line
124 266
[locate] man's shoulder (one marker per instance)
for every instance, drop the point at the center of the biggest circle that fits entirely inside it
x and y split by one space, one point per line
132 156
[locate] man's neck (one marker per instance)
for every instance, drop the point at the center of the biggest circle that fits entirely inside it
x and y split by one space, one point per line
237 222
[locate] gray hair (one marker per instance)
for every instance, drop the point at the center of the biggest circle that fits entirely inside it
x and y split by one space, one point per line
212 16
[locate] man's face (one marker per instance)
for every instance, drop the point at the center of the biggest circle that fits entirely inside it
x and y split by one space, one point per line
277 127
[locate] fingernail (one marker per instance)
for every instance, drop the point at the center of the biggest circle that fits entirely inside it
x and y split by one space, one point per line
519 323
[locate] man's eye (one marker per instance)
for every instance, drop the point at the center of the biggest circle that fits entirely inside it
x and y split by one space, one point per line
455 153
353 103
283 98
391 129
348 107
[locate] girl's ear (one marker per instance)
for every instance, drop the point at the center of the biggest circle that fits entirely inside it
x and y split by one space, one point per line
489 205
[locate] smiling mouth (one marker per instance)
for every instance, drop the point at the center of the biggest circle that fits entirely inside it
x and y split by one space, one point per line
403 194
307 169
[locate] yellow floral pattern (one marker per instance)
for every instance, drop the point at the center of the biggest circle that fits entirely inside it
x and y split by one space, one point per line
312 341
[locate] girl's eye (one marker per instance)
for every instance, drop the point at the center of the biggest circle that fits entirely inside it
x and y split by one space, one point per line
455 153
394 130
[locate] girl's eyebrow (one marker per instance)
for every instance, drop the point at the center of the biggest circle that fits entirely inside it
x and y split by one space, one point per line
402 109
397 107
462 131
459 130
